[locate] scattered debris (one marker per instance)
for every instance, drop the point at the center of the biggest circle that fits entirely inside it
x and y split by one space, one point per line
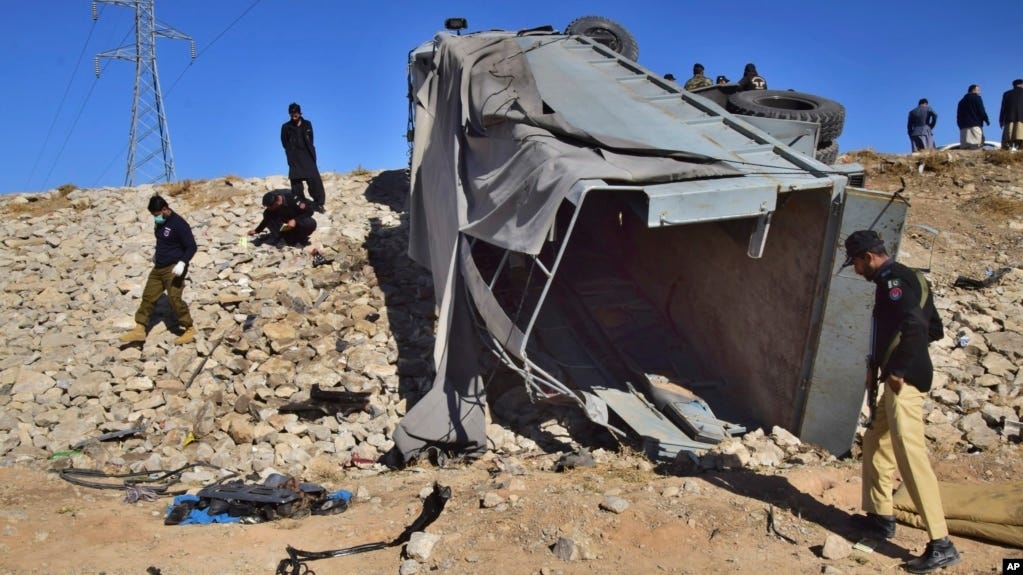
433 505
328 402
237 502
582 458
992 277
111 435
773 529
135 493
320 260
157 482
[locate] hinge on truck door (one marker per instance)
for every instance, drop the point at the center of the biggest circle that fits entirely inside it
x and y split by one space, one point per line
759 236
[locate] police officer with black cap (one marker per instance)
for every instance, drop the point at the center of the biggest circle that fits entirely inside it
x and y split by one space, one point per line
288 220
904 323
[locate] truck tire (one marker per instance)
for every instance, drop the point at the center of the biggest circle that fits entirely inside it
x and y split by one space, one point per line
788 105
606 32
827 153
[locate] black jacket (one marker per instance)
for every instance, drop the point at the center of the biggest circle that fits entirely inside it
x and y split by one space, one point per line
971 113
751 79
1012 107
174 241
897 310
290 209
298 145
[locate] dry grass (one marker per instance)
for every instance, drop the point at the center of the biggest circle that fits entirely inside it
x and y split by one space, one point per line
880 165
999 205
938 162
174 189
38 205
1003 158
359 171
203 194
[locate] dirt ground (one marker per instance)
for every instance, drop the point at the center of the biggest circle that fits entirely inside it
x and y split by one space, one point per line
708 523
704 523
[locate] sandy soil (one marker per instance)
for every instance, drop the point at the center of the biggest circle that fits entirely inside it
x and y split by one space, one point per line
709 523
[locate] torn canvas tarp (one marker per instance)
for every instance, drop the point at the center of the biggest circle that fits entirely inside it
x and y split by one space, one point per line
492 161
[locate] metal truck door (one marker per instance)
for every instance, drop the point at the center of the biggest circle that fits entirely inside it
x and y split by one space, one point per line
836 387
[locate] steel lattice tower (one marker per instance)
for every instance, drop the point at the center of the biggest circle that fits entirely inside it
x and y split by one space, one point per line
149 143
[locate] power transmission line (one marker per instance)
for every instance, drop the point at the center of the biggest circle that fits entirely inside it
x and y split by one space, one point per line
195 57
210 45
149 146
60 107
74 123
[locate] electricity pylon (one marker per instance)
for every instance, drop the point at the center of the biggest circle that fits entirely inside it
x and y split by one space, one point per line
149 143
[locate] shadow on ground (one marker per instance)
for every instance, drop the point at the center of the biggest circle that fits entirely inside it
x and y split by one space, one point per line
777 491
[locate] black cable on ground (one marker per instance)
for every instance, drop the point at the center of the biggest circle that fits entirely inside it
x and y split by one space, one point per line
158 482
434 504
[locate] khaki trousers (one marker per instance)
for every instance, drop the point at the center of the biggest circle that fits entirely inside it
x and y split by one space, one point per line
163 280
897 439
1012 135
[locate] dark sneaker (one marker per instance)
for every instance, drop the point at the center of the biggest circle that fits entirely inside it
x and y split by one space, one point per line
319 208
319 260
874 525
940 553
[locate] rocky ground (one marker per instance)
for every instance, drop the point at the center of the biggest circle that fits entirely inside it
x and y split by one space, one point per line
272 325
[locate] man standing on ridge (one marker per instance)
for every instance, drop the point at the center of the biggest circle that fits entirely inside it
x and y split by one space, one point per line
751 79
971 117
920 126
1010 117
297 139
904 323
175 247
698 80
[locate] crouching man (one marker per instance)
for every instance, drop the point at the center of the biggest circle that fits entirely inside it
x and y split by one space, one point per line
287 219
175 247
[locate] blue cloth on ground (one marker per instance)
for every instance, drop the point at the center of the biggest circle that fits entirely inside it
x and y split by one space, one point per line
342 494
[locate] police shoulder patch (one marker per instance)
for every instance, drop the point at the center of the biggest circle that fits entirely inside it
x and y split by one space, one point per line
894 283
895 293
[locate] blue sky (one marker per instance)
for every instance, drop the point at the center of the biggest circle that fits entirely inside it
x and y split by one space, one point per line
344 62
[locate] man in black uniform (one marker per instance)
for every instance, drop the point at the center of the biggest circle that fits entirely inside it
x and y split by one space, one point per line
904 323
175 246
286 218
297 139
751 79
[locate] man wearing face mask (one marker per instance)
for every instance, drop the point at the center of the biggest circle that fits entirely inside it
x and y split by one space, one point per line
175 246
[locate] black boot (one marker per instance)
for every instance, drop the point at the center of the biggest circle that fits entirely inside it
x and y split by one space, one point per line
874 525
940 553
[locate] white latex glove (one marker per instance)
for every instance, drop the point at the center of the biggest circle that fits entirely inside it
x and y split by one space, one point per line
179 268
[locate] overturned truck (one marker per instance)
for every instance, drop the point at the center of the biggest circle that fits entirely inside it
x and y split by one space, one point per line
619 242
